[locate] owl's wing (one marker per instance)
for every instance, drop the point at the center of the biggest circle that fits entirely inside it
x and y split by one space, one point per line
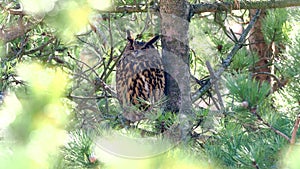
140 80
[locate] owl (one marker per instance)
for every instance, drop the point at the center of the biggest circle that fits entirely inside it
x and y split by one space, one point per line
140 79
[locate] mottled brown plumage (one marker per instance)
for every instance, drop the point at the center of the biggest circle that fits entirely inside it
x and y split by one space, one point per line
140 78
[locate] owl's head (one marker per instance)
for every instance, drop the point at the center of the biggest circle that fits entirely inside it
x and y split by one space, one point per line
134 45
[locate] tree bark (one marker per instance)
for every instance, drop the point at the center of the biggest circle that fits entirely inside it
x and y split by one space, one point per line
264 69
259 46
174 29
175 16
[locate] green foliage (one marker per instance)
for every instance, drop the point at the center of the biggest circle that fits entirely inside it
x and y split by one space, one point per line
78 152
242 142
244 151
244 88
290 67
286 101
222 45
34 122
201 47
243 61
275 27
164 121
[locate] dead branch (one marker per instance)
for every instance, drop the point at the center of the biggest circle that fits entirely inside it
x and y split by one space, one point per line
213 81
295 129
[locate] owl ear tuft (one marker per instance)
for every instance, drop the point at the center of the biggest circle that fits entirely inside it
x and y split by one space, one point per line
150 42
130 39
130 42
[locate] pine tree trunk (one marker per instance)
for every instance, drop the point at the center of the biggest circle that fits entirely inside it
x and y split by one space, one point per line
259 46
266 53
174 28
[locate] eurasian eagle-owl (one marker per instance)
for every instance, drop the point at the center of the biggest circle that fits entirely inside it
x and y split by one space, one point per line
140 78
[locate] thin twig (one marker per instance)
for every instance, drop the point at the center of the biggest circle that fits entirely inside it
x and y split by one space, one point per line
255 165
202 82
213 80
104 75
253 111
41 47
269 74
294 135
83 64
295 129
98 82
87 98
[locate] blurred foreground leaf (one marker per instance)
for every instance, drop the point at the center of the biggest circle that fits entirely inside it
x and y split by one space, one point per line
35 120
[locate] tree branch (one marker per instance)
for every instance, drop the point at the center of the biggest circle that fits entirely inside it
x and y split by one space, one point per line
210 7
253 111
226 62
13 32
295 129
213 81
228 6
